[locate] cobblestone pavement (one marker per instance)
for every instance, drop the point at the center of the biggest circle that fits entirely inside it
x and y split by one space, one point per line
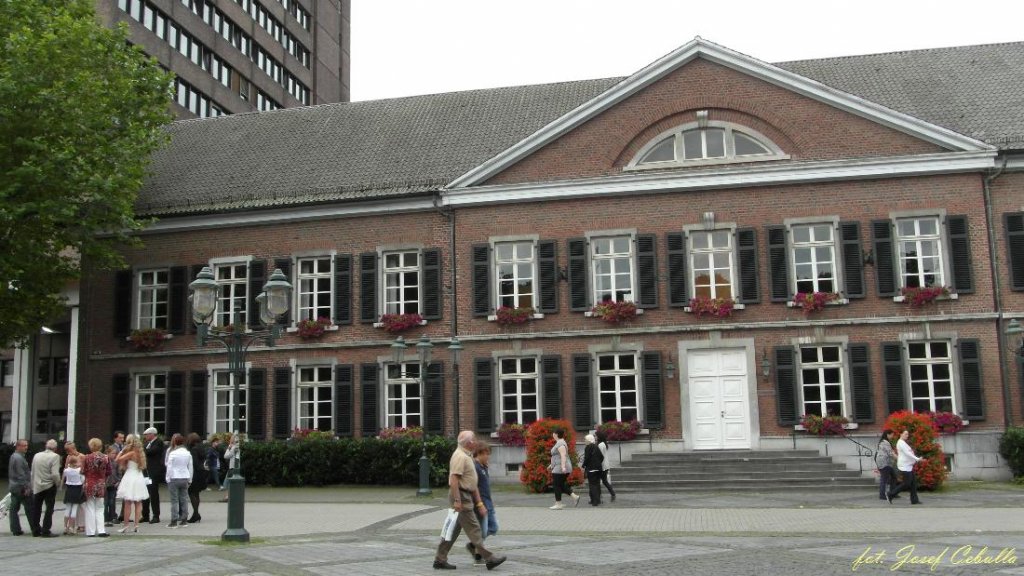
388 531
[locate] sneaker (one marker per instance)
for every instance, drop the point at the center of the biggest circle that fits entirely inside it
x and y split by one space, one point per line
557 506
575 500
439 565
888 496
495 561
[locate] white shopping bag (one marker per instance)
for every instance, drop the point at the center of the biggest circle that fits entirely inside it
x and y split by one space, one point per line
5 506
451 521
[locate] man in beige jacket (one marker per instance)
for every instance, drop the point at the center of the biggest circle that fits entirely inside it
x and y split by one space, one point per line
45 480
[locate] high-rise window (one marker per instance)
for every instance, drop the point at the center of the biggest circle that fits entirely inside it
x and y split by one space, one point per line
613 268
711 263
920 252
814 258
402 282
315 280
514 265
233 293
152 299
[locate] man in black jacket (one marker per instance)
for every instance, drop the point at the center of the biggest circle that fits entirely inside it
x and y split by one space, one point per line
154 448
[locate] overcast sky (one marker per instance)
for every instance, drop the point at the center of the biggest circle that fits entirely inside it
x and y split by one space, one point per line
407 47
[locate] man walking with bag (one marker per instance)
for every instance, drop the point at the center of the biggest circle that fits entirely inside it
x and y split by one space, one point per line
465 501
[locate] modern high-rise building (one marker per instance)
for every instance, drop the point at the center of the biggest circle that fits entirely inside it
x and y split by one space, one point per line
231 56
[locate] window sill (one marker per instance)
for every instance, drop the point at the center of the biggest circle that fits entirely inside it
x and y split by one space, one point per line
839 302
850 426
706 162
590 313
167 336
381 324
494 318
954 296
293 329
641 432
689 310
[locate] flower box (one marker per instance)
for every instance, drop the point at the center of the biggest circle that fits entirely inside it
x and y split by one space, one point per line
512 434
508 316
831 425
917 297
619 431
615 312
946 422
148 339
815 301
309 329
395 323
714 307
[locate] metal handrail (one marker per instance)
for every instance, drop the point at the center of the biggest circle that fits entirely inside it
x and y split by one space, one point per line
862 450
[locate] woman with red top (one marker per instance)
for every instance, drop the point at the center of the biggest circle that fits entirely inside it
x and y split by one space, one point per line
95 468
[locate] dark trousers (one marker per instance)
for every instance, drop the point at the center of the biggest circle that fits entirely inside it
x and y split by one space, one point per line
594 483
43 522
909 482
19 499
607 484
561 485
110 504
151 507
886 480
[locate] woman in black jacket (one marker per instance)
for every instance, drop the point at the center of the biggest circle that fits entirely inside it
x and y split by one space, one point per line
592 460
198 451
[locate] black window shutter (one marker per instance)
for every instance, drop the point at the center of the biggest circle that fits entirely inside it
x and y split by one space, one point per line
579 300
256 409
970 379
285 266
257 278
434 418
175 401
885 260
647 268
853 260
481 279
582 391
785 386
342 289
368 290
892 363
778 268
483 378
194 271
547 270
121 402
860 383
1013 223
654 405
551 378
122 303
370 399
197 402
960 254
746 255
677 297
177 299
432 285
344 375
282 401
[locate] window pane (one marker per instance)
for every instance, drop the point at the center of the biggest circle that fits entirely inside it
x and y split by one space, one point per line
664 151
746 146
715 142
691 145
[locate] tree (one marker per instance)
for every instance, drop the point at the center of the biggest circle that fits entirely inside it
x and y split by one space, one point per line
81 111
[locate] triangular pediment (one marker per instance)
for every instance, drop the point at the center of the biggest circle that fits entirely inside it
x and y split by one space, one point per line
699 48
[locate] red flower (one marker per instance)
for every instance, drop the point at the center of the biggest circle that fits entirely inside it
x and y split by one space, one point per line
708 306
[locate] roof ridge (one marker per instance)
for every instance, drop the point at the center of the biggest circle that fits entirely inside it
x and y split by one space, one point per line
896 52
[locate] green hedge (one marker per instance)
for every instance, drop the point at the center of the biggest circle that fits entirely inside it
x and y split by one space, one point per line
1011 447
345 461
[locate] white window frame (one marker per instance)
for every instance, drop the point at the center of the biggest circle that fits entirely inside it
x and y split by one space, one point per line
316 385
692 252
931 361
519 377
402 305
939 238
618 373
821 367
774 152
149 394
227 387
593 259
149 318
300 310
405 418
791 247
216 264
515 262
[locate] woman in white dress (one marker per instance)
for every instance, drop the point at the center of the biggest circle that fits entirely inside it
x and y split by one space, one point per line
133 488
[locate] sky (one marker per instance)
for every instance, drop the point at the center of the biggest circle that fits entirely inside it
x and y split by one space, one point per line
410 47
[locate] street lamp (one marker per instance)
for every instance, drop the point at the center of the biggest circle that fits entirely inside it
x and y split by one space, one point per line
424 352
273 302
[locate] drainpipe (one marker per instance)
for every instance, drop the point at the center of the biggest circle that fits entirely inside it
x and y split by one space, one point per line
997 297
449 214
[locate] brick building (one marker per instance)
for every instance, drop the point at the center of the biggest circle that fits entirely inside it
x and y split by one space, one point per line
706 178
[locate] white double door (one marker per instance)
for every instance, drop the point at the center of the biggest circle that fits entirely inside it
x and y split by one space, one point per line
719 399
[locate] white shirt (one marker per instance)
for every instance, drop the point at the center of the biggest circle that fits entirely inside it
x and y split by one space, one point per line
905 457
179 464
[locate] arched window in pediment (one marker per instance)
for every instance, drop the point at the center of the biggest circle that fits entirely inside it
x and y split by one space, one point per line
706 142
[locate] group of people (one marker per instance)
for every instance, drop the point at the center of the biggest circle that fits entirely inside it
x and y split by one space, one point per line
129 468
888 460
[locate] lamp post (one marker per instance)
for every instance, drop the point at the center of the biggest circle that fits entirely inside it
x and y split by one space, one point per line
273 302
424 352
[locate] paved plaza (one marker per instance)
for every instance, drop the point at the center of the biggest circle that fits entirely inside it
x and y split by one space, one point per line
968 529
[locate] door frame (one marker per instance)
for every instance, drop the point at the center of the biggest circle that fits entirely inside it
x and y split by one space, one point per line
716 342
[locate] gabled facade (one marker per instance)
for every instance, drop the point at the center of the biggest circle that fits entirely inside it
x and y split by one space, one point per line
706 182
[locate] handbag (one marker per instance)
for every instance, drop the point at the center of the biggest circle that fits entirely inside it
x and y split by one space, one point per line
451 522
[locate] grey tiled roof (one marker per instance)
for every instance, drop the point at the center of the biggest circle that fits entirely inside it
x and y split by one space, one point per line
401 146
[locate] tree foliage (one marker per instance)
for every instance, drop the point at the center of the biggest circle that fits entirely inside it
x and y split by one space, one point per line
81 111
